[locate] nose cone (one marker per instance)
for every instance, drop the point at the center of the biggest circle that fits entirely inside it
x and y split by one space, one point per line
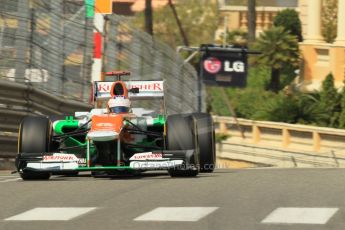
107 122
102 135
105 127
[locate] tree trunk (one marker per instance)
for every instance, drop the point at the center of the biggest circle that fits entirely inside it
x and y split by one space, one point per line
148 17
179 24
251 20
275 80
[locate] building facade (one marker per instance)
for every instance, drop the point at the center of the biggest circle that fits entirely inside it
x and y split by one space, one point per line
319 58
130 7
235 13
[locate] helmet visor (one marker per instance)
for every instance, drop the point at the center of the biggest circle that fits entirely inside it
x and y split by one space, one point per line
119 109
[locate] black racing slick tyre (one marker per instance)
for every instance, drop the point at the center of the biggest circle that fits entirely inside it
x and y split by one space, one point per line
34 139
206 137
181 135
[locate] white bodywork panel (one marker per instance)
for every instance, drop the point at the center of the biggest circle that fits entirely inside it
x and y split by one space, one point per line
102 135
155 164
56 161
62 161
147 89
53 165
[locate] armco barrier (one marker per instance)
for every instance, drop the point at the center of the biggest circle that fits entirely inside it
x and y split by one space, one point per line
26 96
19 100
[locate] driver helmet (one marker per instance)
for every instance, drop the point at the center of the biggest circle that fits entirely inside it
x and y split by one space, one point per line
119 105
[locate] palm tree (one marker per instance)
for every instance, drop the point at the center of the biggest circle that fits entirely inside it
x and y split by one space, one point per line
278 48
251 4
294 108
309 110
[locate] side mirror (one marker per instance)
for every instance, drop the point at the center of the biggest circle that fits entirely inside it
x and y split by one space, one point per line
134 90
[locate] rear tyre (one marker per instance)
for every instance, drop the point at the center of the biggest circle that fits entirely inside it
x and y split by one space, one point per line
34 139
206 137
181 135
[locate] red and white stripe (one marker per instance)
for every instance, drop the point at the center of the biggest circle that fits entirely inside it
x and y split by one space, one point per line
101 7
97 52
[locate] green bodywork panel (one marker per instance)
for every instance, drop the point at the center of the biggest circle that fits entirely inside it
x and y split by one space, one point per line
159 121
68 125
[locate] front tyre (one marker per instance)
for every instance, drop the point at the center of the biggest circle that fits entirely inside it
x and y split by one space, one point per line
34 139
206 137
181 135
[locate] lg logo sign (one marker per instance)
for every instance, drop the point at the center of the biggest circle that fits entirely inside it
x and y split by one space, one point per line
214 65
236 66
224 67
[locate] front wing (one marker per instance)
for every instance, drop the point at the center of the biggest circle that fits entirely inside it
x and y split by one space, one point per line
62 162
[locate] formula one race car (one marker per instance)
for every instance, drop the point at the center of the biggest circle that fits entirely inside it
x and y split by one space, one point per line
116 138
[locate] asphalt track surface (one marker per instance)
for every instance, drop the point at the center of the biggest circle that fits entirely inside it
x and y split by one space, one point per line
227 199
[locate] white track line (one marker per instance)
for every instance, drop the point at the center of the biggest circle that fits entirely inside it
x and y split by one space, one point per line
51 214
300 215
176 214
10 180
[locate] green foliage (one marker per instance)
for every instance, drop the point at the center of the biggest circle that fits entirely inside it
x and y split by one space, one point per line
328 92
309 111
287 75
326 108
235 37
259 77
342 106
278 49
280 108
220 137
329 20
254 102
296 108
250 101
216 102
320 109
289 20
245 101
330 101
199 19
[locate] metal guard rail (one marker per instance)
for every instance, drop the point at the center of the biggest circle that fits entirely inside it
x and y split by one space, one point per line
19 100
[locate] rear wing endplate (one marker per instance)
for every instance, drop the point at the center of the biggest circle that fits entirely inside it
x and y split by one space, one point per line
147 90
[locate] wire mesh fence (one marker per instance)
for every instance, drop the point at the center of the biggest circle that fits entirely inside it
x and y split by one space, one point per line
148 59
49 44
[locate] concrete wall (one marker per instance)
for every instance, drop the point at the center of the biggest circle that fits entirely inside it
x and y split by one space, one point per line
282 135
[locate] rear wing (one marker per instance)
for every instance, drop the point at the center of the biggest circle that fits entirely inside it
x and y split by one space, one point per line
147 90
